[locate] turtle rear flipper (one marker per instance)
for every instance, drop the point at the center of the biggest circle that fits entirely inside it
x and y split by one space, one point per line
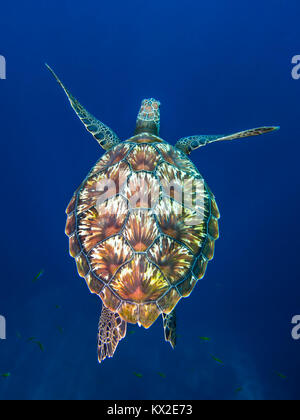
111 330
170 327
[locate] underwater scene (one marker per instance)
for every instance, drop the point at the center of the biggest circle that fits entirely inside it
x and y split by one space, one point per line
150 198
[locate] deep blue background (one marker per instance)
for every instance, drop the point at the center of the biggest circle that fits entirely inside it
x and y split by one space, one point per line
218 67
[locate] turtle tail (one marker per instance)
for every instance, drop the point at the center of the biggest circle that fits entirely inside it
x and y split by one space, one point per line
111 330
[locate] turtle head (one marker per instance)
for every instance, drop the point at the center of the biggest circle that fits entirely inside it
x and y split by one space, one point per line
148 120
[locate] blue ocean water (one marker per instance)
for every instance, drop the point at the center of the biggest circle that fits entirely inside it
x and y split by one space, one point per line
217 67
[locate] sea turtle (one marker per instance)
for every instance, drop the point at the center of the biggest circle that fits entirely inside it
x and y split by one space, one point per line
143 224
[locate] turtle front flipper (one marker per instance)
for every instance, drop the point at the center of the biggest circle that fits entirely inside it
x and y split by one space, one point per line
170 327
103 134
188 144
111 330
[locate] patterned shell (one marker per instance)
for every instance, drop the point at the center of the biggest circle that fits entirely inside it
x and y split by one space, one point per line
137 243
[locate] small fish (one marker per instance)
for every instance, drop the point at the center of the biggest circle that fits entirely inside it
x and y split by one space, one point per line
216 359
239 389
18 335
161 374
131 332
205 338
37 342
30 339
38 276
281 375
57 306
41 347
60 329
5 375
138 375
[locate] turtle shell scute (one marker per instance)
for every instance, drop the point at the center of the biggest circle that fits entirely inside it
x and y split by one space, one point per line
181 224
94 284
129 312
101 222
186 287
171 258
111 158
148 314
168 302
139 281
141 230
82 265
102 186
143 158
110 300
108 256
177 159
